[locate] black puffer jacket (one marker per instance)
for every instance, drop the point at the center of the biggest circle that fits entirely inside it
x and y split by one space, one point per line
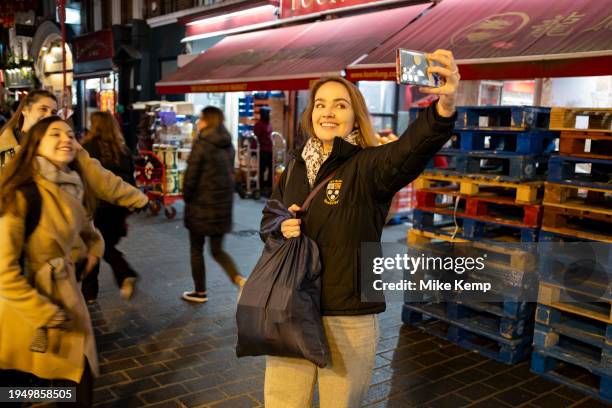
352 208
209 183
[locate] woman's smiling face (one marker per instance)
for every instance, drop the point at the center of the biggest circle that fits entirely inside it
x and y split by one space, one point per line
332 115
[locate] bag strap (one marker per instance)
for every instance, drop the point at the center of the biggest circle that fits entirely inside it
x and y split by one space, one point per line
314 192
289 171
33 211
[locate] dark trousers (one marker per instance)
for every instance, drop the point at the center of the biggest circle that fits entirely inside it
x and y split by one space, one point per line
198 269
265 163
84 388
111 224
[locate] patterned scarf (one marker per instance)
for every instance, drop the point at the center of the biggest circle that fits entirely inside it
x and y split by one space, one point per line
314 155
67 180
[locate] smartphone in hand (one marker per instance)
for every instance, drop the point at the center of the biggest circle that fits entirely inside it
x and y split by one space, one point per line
411 69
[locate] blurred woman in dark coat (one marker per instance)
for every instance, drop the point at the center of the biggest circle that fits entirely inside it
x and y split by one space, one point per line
105 142
208 192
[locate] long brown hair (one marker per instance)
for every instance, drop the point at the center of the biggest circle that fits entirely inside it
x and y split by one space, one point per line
105 131
20 171
16 121
362 116
213 117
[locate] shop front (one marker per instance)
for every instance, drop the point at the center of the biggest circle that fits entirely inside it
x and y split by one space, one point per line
95 74
48 57
510 53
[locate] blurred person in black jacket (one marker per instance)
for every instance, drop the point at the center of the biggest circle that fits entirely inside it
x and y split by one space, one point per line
208 192
106 143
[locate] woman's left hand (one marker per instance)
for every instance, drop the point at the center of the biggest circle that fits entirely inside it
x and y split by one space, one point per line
449 77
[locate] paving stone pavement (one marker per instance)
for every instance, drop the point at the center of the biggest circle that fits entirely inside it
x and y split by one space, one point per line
157 350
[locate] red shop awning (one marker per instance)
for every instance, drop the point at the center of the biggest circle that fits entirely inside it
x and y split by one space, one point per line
505 39
287 58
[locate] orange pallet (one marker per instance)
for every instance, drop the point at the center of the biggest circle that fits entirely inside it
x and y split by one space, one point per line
581 143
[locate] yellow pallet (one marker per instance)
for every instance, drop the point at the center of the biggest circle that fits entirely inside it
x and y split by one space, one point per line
509 258
596 200
525 192
553 296
600 119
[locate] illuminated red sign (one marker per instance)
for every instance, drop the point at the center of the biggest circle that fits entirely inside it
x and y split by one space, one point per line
94 46
293 8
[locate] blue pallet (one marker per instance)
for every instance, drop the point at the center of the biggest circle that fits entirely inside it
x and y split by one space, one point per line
510 308
561 169
478 319
552 325
515 117
550 365
473 229
469 335
534 142
547 236
500 166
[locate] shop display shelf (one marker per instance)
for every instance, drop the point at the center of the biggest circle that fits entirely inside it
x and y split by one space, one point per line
484 207
579 222
574 333
472 229
568 369
580 172
504 141
584 143
507 259
502 117
470 184
498 165
476 335
599 119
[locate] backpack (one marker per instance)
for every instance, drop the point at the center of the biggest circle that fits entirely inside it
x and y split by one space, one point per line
33 211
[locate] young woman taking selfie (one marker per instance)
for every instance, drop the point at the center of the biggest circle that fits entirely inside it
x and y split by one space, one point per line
350 210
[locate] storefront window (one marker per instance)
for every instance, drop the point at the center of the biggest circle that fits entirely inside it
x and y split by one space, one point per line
380 98
490 93
518 93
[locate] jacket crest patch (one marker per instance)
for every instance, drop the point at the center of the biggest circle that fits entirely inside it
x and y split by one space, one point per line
333 192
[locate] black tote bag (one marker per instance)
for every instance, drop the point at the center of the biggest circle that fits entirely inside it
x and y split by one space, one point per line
279 311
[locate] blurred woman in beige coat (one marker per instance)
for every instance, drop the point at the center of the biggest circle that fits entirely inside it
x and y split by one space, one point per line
44 296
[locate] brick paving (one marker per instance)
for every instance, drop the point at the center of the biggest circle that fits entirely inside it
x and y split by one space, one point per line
160 351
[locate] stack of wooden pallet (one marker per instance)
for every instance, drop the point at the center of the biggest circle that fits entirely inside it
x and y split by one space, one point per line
573 332
487 189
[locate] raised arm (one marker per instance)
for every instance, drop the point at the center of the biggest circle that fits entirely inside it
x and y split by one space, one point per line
392 166
108 187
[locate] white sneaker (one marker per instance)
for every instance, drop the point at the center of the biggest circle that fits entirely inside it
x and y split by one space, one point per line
127 288
195 297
